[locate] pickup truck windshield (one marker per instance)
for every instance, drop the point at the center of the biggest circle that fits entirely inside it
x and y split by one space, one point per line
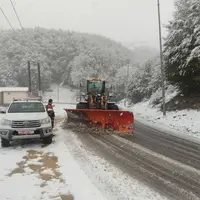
26 107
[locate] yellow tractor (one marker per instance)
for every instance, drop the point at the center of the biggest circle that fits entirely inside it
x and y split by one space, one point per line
96 109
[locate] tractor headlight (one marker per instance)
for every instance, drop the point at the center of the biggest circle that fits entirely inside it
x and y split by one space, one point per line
45 121
6 122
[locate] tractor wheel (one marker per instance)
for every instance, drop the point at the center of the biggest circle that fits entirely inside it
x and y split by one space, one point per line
81 106
113 107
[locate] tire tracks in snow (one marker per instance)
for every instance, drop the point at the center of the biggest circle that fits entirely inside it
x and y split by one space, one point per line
167 176
101 167
172 146
174 179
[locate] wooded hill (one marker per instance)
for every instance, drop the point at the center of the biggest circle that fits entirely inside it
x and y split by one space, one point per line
66 57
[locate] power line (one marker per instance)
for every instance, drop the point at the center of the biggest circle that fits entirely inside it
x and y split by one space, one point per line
6 18
16 14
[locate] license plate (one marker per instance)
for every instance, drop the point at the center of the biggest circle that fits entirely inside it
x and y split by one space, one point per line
25 132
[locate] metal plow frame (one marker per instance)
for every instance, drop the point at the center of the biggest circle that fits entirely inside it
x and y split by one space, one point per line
116 120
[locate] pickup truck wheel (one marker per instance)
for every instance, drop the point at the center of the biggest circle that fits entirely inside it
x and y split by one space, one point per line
5 143
48 140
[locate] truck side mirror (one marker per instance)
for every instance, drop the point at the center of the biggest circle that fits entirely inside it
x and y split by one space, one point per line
80 84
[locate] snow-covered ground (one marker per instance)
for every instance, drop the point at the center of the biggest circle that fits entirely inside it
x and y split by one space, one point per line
61 94
68 169
63 97
64 170
184 121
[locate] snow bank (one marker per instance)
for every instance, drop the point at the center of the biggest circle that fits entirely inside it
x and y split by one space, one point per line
170 93
184 121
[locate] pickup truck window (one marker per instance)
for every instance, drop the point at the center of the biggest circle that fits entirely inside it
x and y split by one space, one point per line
26 107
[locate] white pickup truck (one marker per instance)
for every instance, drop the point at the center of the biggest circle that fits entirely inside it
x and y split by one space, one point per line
26 119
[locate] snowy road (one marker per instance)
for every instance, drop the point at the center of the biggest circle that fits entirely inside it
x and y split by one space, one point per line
67 169
85 166
171 178
162 142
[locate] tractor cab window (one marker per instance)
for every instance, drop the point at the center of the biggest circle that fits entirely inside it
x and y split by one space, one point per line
95 87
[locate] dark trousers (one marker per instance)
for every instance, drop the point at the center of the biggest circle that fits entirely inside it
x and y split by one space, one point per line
52 122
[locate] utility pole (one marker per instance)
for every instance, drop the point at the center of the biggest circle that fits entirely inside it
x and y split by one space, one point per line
127 76
126 81
128 67
39 81
29 76
161 61
58 93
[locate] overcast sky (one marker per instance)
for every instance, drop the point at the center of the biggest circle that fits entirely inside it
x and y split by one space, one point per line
122 20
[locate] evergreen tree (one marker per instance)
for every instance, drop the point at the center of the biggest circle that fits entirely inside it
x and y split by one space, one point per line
145 81
182 46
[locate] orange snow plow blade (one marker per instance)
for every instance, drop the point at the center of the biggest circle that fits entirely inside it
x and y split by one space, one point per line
117 120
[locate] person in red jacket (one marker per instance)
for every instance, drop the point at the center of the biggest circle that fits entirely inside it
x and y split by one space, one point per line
50 111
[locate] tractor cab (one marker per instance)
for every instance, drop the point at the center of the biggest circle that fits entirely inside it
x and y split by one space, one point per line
96 93
95 86
96 110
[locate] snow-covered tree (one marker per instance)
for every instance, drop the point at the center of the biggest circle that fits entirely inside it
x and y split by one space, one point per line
65 57
182 46
145 81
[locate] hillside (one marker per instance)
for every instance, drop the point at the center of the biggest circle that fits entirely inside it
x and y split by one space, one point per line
142 52
182 75
65 57
181 50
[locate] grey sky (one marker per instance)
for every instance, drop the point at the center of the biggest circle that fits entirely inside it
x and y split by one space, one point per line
122 20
